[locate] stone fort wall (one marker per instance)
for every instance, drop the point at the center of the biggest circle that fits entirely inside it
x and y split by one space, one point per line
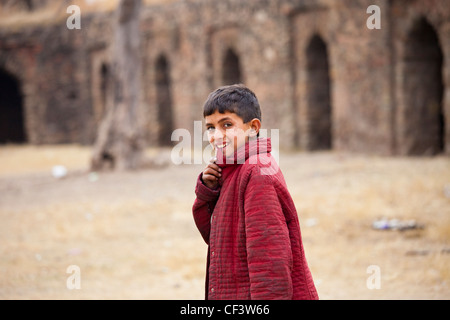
323 78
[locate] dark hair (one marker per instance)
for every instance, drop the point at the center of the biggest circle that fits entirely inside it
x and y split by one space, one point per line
235 98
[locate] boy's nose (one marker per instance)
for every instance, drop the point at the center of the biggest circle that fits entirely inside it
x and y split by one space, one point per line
218 135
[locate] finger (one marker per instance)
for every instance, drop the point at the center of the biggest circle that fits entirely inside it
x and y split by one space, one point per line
211 184
214 158
214 167
212 172
209 178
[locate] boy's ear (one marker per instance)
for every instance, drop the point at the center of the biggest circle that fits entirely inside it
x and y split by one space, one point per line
255 125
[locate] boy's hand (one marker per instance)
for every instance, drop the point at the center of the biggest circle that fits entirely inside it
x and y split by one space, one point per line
211 174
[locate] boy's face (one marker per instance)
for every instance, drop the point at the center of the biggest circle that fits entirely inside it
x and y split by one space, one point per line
227 131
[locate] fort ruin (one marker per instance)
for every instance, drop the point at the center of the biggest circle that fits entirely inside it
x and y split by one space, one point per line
323 78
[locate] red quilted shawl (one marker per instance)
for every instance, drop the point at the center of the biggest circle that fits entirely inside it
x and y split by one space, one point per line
251 226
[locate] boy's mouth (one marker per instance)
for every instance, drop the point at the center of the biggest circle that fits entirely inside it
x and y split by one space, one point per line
222 146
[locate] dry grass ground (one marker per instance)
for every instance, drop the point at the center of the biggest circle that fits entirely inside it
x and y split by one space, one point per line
133 237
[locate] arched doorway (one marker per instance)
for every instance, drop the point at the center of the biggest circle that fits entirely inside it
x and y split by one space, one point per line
231 70
318 95
422 130
11 110
164 101
104 81
101 81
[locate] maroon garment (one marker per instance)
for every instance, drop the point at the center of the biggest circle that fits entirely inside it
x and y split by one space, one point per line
251 227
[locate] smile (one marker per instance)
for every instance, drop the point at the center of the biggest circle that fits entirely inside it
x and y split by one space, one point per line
221 146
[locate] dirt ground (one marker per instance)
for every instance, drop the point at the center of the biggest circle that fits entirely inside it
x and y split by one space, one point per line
131 235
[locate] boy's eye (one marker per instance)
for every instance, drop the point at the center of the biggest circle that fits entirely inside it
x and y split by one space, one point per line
210 129
227 125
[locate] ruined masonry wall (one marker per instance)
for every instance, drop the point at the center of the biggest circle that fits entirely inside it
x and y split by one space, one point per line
322 77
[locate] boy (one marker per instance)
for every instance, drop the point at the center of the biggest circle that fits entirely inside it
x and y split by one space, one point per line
244 211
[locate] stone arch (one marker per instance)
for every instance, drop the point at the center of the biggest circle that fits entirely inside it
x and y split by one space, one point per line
319 119
231 68
164 100
12 126
101 91
101 80
105 73
29 5
421 125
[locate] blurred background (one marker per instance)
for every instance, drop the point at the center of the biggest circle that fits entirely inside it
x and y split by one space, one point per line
363 115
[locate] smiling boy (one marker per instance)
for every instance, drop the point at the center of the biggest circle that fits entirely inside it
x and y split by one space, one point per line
244 211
